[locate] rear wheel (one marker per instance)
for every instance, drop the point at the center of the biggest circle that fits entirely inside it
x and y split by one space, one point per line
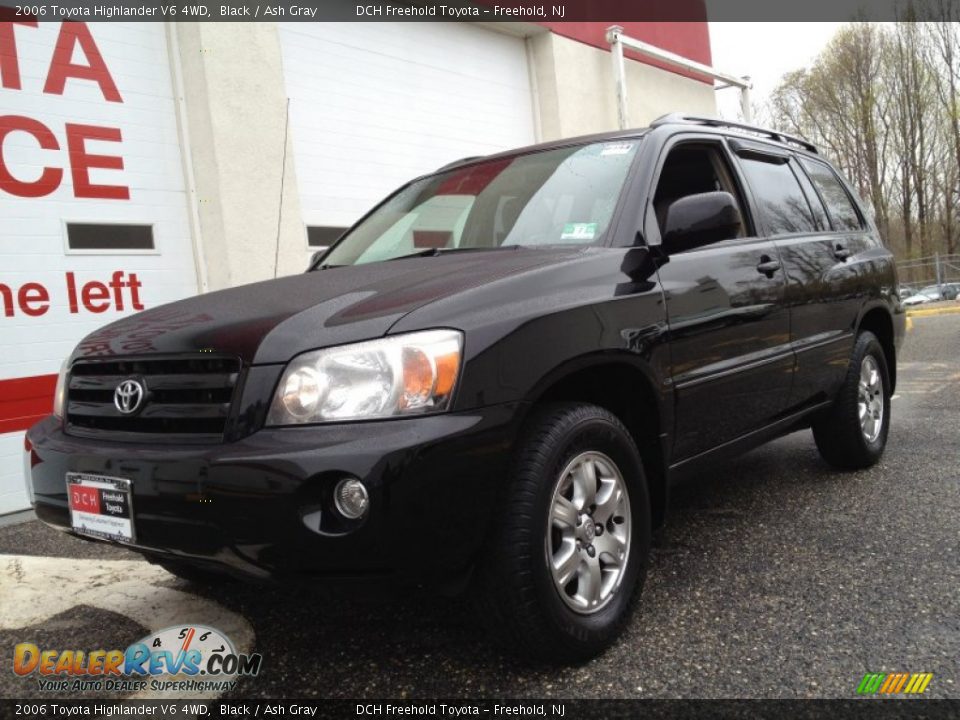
852 434
572 538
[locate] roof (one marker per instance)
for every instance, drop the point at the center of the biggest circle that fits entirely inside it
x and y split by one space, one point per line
744 129
551 145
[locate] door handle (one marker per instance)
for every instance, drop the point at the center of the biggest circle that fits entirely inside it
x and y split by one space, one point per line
767 266
841 253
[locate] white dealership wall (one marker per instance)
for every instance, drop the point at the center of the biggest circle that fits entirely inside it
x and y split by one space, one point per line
575 89
420 95
229 182
32 231
391 101
240 149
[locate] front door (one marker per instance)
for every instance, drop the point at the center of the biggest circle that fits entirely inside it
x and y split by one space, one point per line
732 364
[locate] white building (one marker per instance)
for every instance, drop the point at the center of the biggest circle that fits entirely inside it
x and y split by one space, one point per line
145 162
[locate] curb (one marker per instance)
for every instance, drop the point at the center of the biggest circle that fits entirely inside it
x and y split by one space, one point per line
934 311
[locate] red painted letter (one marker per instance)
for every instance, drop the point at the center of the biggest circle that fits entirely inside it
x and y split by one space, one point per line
72 292
81 162
9 65
92 293
135 286
36 295
50 177
71 35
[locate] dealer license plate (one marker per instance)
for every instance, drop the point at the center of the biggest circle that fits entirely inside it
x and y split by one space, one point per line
101 506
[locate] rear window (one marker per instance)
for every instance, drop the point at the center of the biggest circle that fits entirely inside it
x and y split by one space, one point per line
839 205
783 206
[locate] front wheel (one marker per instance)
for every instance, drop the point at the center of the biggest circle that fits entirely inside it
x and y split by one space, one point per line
572 537
852 434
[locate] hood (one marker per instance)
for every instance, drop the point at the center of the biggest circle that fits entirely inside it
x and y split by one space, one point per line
271 321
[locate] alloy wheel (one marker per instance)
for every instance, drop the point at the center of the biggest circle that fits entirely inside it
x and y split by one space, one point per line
870 399
588 532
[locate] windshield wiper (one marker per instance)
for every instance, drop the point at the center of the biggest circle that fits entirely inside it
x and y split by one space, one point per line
434 252
427 252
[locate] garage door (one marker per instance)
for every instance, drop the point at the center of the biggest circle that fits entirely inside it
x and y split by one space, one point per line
95 221
374 104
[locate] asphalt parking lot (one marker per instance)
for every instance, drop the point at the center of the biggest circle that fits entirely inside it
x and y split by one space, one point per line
777 577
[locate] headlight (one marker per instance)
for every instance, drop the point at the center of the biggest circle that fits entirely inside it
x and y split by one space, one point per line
401 375
60 393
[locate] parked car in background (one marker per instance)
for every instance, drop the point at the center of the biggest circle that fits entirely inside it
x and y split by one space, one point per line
933 293
950 290
492 381
921 297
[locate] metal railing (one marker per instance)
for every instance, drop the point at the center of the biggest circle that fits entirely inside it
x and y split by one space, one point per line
618 41
934 269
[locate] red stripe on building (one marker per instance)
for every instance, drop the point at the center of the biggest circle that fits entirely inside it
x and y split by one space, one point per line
24 401
687 39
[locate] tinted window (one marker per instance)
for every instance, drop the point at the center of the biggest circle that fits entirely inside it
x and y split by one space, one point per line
782 204
842 211
691 170
813 199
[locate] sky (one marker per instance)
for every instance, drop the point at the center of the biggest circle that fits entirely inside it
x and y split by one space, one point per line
765 51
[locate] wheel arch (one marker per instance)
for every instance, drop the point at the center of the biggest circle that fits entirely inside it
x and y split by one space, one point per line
879 321
627 388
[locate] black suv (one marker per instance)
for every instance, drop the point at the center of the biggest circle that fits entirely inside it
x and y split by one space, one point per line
492 380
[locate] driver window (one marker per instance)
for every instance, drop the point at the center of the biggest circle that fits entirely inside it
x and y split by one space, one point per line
690 170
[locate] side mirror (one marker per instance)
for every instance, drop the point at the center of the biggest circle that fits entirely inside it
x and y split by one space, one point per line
697 220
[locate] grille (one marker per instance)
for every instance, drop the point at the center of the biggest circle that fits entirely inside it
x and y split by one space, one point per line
184 396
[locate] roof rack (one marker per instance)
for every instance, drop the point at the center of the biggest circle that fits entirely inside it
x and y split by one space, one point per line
776 135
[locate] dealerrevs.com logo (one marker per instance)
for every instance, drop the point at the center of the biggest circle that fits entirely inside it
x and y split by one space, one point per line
192 658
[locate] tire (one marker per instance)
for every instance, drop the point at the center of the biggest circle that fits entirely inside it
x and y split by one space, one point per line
843 440
520 599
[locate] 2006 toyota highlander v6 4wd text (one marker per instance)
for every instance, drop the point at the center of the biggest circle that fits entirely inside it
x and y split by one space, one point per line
492 380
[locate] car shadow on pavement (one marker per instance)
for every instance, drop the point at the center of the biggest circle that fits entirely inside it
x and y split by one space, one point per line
315 644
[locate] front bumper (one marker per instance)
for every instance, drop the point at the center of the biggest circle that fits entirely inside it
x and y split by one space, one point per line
261 506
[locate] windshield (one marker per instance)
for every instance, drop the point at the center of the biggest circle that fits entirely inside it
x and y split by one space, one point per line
554 197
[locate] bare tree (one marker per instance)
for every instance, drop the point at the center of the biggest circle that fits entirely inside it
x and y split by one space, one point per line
943 53
883 101
840 104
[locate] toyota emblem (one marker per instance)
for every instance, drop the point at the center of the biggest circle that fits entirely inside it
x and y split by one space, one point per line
129 395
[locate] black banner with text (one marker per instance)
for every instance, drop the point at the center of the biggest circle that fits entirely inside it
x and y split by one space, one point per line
477 11
512 709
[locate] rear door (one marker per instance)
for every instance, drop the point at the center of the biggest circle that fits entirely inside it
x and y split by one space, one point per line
729 329
826 284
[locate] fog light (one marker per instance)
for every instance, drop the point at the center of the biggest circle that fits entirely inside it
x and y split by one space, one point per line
351 499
